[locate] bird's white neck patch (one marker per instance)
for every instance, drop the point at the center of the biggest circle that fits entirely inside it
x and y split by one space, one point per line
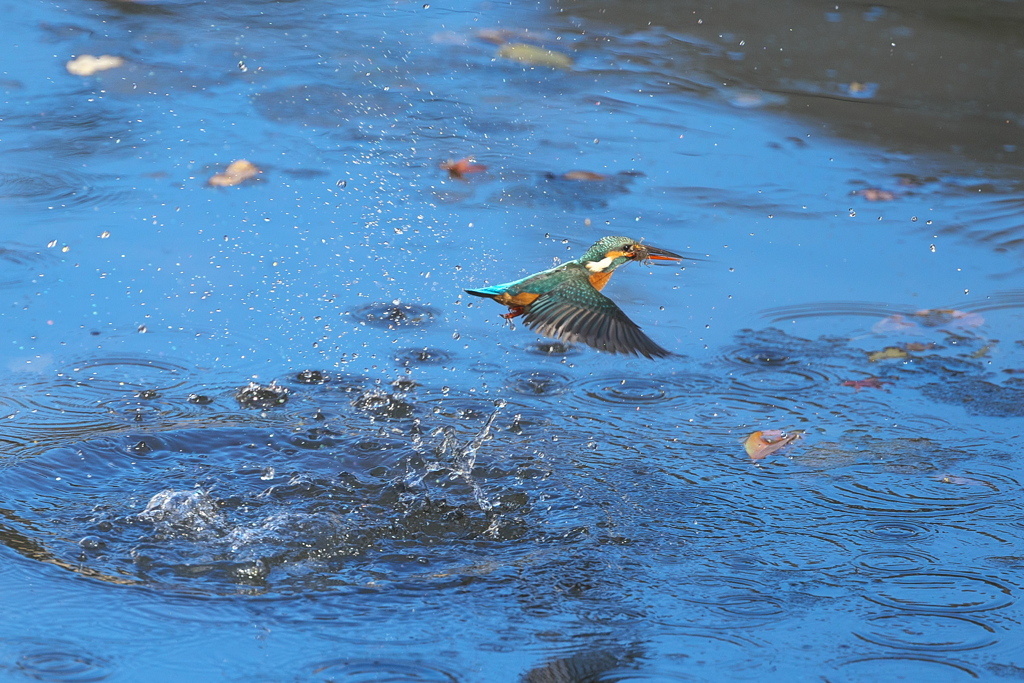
599 266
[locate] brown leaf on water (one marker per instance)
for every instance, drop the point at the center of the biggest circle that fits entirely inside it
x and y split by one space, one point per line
873 194
761 444
584 175
87 65
462 167
920 346
886 353
535 56
237 172
866 383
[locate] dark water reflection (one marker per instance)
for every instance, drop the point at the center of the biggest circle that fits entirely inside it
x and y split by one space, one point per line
259 433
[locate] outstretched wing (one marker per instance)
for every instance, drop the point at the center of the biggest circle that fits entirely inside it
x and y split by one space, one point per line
576 312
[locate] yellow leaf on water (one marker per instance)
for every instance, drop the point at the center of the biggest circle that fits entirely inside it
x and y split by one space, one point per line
87 65
761 444
887 352
537 56
238 172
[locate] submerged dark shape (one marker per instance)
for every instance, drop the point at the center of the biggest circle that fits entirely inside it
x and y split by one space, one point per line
565 302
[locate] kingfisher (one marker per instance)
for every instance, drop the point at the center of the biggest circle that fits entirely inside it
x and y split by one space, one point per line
565 302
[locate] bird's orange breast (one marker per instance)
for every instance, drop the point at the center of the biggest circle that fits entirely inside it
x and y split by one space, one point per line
599 280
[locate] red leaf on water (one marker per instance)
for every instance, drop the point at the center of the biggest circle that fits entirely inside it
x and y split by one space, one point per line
867 383
462 167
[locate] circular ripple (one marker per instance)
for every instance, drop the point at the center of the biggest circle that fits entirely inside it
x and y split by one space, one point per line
948 592
897 531
539 383
902 668
66 188
395 315
641 391
21 262
927 632
423 356
549 348
122 373
889 562
392 671
61 666
788 550
899 494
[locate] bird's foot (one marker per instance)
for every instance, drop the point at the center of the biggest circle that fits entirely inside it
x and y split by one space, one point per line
513 312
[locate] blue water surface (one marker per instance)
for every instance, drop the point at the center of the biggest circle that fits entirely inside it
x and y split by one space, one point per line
259 433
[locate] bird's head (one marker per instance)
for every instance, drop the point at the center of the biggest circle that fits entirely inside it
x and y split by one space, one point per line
608 253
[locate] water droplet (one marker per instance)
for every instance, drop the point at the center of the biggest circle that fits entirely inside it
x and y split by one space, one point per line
928 223
268 474
105 234
932 247
91 542
445 390
913 219
142 329
426 6
65 248
341 183
51 244
500 403
853 214
456 335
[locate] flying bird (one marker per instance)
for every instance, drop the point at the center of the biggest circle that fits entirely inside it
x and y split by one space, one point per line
565 302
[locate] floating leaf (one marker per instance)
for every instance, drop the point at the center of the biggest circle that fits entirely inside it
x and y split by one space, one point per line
887 352
961 481
942 318
462 167
761 444
536 56
894 323
867 383
873 194
920 346
947 317
584 175
500 36
87 65
238 172
983 351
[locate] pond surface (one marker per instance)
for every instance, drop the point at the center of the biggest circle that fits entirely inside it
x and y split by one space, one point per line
257 432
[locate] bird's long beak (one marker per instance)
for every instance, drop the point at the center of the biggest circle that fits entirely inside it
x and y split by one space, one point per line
656 254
